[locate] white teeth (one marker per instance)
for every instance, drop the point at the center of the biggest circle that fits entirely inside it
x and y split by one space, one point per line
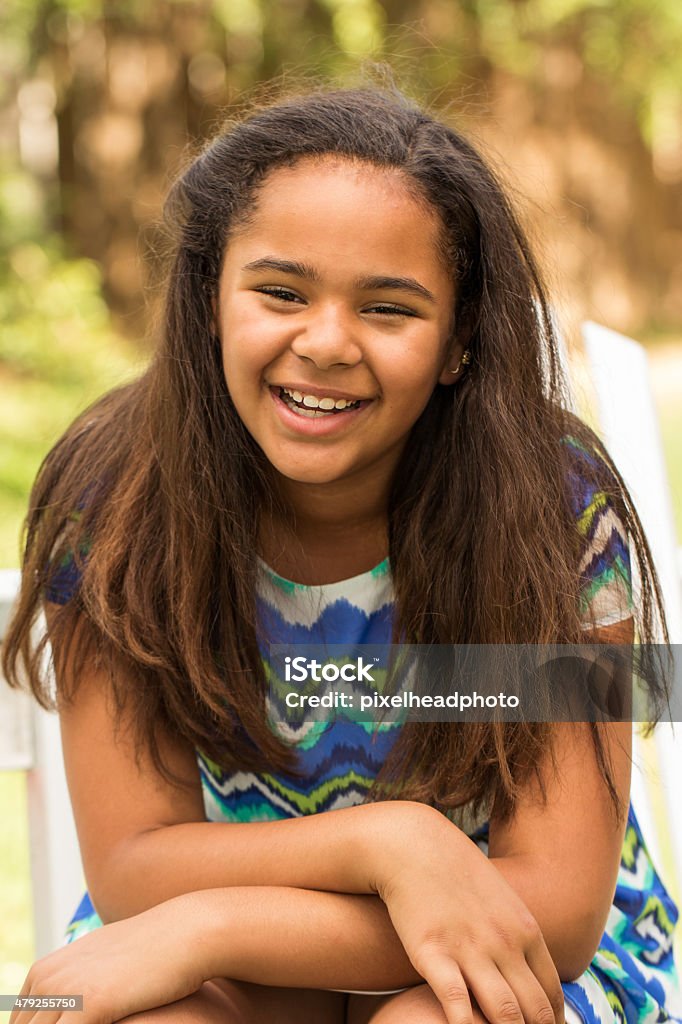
325 404
309 413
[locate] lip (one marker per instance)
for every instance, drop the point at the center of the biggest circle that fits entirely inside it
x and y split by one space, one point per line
308 389
321 426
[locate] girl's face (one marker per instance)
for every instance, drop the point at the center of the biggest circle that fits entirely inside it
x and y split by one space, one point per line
335 314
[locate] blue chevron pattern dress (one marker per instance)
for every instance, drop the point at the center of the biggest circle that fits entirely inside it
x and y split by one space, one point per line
632 977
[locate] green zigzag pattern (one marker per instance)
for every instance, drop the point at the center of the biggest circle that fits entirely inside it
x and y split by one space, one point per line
616 574
309 803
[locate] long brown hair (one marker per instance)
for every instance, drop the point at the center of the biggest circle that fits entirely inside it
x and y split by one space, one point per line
157 489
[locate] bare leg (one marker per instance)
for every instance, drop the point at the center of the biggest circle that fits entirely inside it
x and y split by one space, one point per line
416 1005
237 1002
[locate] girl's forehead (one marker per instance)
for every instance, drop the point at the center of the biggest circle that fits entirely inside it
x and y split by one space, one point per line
330 175
329 199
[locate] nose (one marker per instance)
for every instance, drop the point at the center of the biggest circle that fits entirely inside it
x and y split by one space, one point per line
329 338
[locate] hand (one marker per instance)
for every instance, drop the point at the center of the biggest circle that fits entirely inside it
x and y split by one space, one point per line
464 928
122 968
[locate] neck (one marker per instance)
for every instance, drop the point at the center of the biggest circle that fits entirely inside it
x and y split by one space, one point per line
332 531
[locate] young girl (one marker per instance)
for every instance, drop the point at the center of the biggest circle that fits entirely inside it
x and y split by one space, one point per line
352 432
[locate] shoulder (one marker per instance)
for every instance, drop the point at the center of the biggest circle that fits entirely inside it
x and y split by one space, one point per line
595 495
72 491
590 476
66 563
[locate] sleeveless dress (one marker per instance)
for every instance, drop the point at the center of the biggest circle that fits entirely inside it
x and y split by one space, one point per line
632 977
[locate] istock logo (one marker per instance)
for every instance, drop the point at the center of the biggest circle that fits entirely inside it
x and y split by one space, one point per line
300 670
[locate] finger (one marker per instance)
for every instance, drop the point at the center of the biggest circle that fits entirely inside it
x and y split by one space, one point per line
544 969
30 1016
497 999
449 987
23 1016
534 1000
36 1017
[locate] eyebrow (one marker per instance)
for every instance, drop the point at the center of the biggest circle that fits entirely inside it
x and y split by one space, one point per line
370 283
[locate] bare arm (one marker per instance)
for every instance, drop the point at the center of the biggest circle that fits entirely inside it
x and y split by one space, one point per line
269 936
128 817
339 852
448 914
147 822
562 856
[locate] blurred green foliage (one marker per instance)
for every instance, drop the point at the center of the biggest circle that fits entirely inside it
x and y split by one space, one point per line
57 347
632 44
56 321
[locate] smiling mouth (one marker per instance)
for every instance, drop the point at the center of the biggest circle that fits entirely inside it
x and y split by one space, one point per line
313 407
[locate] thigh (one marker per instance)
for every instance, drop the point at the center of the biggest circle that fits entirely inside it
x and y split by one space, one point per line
416 1005
236 1002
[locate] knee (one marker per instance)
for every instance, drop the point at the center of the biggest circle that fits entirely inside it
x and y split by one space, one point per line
216 1002
416 1005
421 1007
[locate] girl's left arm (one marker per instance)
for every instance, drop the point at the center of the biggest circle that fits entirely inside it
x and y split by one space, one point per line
267 935
561 855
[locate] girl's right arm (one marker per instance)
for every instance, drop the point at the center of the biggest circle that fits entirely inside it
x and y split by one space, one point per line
290 938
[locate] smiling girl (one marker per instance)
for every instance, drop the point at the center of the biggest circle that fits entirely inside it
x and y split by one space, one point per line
353 431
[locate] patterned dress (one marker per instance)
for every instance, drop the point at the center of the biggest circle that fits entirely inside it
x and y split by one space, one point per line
632 977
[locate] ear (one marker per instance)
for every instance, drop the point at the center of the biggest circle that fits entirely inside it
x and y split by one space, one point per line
460 337
453 367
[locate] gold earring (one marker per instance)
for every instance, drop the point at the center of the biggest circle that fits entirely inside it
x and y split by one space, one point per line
464 361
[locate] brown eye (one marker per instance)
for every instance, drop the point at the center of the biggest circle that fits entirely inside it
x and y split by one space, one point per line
385 310
279 293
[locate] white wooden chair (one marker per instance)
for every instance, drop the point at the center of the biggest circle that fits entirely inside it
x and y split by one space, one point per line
30 740
619 372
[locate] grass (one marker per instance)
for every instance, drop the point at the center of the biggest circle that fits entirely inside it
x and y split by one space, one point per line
16 932
39 401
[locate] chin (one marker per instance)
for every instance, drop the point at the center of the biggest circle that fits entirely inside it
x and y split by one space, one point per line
308 474
311 476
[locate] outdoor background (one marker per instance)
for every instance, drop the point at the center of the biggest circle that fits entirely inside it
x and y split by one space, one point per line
577 102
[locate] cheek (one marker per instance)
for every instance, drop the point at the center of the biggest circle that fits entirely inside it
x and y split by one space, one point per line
411 374
249 343
253 331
